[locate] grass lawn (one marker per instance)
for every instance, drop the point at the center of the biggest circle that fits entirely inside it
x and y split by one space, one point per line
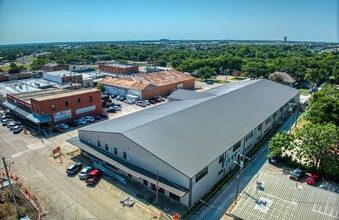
238 78
6 68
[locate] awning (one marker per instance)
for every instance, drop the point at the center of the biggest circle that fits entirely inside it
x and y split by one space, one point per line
130 168
26 114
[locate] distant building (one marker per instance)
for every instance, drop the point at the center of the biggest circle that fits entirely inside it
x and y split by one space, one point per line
151 69
54 67
282 77
63 76
41 108
149 85
119 68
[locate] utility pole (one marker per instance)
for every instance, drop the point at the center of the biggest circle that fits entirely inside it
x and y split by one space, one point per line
10 186
156 189
241 164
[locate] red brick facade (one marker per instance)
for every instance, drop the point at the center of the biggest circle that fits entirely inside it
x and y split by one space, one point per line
55 68
65 108
118 70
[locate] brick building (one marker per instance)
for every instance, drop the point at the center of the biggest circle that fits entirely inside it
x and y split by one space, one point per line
54 67
54 106
146 86
118 68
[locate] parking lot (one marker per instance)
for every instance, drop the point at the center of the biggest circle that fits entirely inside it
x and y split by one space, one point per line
68 197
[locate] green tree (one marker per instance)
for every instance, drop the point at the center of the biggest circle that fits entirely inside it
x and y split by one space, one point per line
39 62
324 106
101 87
206 72
12 65
315 75
280 143
255 69
335 73
314 142
16 69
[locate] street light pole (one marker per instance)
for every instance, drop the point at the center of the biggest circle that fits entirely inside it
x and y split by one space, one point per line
11 187
241 164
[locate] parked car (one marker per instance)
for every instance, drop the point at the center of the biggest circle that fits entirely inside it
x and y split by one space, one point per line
115 104
4 122
274 159
96 117
129 101
17 129
297 173
88 118
72 123
3 117
74 168
147 102
103 115
62 126
57 130
152 101
93 176
11 124
81 121
313 179
85 172
140 103
118 97
113 96
209 82
112 110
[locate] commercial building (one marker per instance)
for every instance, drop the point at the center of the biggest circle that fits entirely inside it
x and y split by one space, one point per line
54 67
54 106
147 86
181 149
63 76
118 68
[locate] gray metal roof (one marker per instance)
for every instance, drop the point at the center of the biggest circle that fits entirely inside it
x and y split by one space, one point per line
189 135
182 94
286 199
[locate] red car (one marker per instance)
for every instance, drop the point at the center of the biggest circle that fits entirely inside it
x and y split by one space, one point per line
313 179
93 176
103 115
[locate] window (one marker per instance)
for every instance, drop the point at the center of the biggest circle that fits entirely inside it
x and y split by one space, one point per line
129 175
236 146
124 155
98 143
259 128
161 190
201 174
106 146
221 158
220 172
116 151
175 197
53 107
90 98
145 182
66 103
79 101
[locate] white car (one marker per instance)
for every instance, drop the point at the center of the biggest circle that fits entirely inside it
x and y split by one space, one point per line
85 172
81 121
62 126
88 118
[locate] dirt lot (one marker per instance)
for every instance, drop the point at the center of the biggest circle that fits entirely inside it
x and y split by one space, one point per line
64 197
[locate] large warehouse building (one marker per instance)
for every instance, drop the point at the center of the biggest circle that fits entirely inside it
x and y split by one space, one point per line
188 145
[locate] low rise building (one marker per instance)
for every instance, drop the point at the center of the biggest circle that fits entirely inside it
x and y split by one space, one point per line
42 108
63 76
149 85
118 68
54 67
181 149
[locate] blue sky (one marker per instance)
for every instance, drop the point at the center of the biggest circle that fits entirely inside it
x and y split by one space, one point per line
26 21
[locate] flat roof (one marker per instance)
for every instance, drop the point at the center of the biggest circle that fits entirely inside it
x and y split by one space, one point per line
51 94
281 198
207 126
62 73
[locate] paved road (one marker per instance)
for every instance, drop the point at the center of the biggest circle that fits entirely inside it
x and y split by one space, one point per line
224 199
